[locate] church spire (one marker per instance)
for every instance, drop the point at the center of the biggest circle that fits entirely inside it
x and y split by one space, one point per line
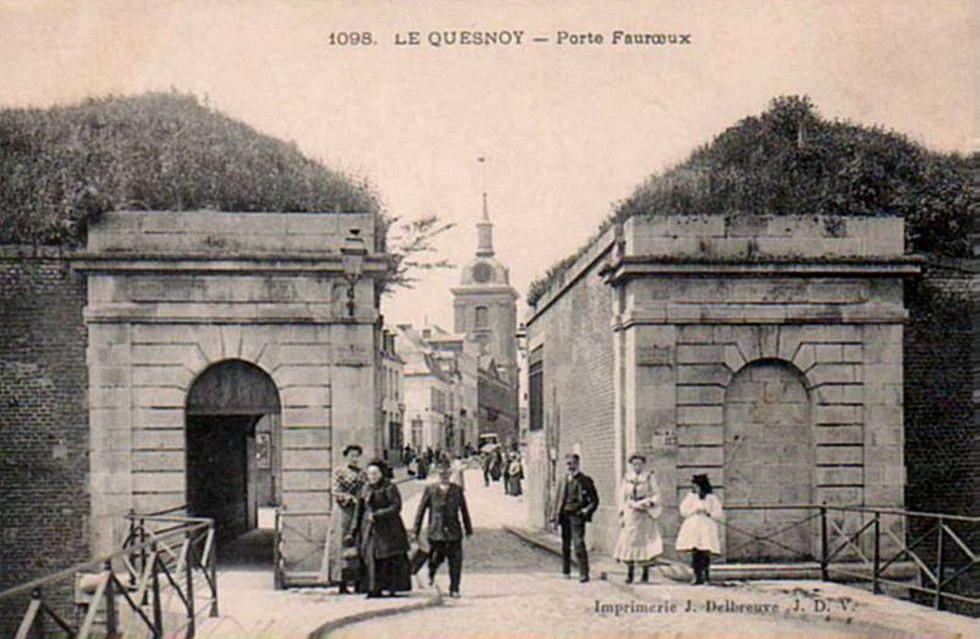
485 232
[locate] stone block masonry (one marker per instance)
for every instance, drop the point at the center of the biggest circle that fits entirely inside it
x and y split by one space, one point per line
174 295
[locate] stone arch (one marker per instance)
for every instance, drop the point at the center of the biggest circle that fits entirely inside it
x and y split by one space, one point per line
769 460
232 429
802 373
231 386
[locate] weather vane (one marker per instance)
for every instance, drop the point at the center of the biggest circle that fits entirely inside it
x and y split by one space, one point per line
483 174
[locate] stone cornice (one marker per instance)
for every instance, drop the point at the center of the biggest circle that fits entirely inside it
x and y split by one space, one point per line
242 313
632 266
477 291
375 266
781 313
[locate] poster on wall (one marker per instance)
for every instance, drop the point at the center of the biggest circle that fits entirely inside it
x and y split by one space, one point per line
696 281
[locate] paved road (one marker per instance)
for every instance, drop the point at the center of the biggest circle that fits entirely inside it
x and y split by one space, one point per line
490 549
512 589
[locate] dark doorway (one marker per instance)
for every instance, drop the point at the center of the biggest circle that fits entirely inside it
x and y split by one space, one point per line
218 470
232 446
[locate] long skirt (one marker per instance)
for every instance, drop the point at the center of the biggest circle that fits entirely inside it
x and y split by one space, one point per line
392 574
340 522
639 538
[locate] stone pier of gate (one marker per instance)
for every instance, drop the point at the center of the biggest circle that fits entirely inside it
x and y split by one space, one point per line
252 312
762 351
766 353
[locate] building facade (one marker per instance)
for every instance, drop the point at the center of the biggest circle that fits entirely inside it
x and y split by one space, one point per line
392 385
763 352
458 356
497 406
428 391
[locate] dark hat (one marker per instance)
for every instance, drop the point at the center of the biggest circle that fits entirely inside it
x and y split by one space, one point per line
351 447
702 482
637 456
383 466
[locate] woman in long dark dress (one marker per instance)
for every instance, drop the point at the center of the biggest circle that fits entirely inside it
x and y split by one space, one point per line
380 534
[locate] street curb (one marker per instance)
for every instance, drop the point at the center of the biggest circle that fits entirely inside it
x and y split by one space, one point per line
532 539
367 615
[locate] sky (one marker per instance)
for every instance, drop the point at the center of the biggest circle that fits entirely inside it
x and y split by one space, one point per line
567 130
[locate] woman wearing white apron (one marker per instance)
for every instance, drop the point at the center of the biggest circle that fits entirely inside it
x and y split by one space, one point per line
639 540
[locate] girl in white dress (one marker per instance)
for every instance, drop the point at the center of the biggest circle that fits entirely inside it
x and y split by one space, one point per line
699 533
639 540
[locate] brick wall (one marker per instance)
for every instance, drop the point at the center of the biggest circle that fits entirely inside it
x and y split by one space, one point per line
44 503
578 374
942 442
942 388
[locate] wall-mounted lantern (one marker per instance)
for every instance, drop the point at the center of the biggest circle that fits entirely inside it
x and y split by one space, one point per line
352 255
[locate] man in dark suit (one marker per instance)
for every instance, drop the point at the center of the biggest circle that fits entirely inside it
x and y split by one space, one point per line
446 504
575 500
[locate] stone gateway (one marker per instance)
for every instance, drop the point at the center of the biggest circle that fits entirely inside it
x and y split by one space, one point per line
765 352
230 358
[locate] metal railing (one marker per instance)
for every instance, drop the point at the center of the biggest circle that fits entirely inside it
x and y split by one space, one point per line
147 588
870 544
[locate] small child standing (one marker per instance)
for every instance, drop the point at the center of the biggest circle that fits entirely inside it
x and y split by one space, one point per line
701 511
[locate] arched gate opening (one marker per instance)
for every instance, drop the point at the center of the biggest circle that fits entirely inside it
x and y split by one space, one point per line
232 427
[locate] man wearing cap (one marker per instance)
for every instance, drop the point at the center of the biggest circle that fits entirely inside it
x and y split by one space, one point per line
575 500
446 504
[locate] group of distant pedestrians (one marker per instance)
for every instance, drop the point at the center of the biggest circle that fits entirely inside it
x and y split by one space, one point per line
640 541
420 464
508 467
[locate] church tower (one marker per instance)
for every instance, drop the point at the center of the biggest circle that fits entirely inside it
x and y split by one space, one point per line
485 304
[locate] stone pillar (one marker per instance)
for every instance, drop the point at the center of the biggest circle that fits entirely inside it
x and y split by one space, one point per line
111 436
353 410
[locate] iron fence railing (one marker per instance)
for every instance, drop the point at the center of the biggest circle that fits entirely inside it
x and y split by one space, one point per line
156 585
865 543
